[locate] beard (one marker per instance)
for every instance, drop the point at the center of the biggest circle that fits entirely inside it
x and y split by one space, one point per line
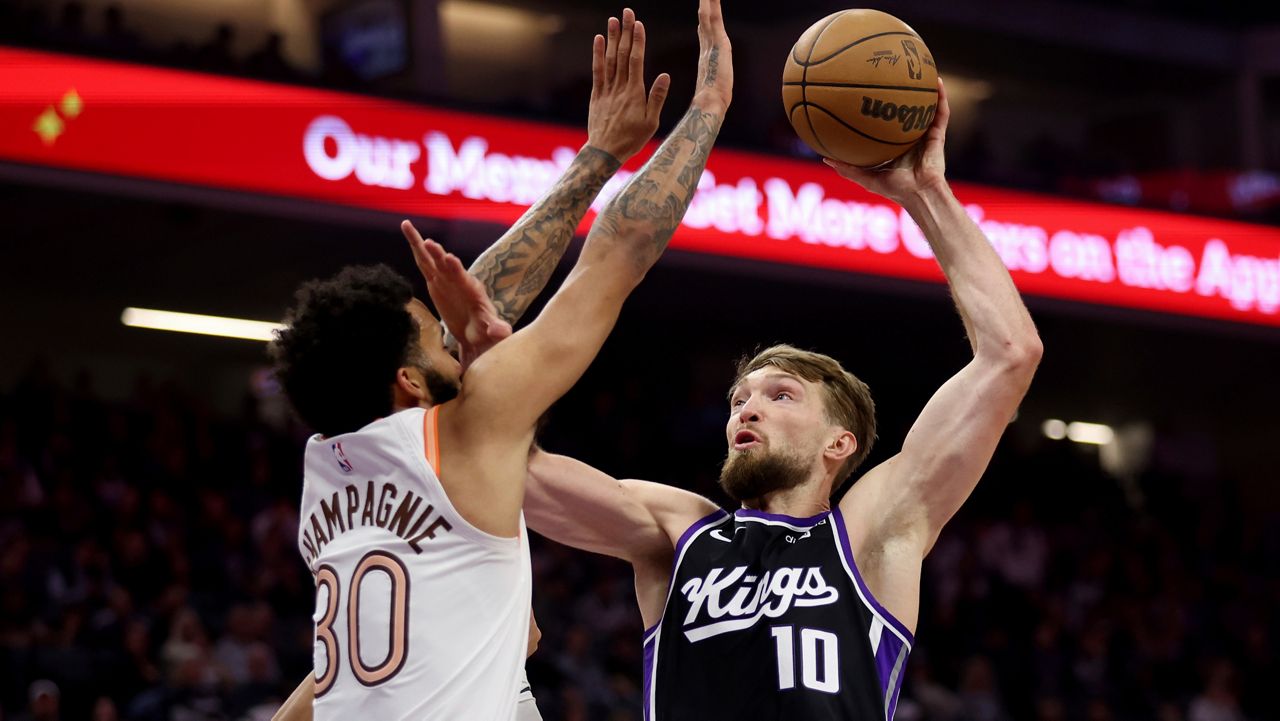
753 474
442 389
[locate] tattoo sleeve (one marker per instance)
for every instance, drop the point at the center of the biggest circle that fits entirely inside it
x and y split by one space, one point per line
641 219
516 268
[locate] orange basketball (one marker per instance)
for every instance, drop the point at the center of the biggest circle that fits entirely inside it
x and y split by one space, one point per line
860 86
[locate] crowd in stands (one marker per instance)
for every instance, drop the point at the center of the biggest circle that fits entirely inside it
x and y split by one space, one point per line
149 570
70 29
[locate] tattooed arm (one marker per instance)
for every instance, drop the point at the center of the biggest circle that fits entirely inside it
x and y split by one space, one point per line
620 120
490 426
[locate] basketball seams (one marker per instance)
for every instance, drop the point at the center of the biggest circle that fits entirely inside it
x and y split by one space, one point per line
838 119
804 88
908 88
811 62
834 17
840 122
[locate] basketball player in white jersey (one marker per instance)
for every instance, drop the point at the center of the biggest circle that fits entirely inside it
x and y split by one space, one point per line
411 515
790 608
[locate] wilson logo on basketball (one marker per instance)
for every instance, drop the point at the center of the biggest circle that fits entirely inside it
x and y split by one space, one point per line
910 117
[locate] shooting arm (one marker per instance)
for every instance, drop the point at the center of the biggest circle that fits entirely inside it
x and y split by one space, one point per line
949 446
906 500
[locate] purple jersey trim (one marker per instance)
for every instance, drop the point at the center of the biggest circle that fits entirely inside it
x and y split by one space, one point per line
810 521
651 635
649 659
717 515
843 534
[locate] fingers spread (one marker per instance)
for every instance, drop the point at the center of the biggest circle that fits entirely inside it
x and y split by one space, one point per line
597 64
636 71
657 97
623 67
611 52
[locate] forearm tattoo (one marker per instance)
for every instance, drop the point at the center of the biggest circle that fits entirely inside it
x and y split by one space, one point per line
516 268
642 218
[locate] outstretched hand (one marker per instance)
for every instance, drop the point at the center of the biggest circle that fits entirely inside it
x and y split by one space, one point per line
459 298
921 168
715 58
622 117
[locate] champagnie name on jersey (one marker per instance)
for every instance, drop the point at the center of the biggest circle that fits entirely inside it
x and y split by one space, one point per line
382 505
732 599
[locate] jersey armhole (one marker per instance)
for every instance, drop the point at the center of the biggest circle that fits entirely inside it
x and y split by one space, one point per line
429 457
431 438
845 550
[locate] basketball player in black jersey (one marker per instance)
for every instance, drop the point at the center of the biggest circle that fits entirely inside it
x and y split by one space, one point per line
793 606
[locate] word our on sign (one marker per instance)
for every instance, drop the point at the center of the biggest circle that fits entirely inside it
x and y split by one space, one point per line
119 119
776 209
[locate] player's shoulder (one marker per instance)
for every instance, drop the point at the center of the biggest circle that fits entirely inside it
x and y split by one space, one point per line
675 509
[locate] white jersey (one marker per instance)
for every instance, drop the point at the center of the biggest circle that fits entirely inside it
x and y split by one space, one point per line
419 615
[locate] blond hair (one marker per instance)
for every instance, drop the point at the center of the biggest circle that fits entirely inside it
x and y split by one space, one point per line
847 399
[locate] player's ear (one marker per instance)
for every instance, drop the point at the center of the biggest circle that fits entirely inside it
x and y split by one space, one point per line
410 388
840 446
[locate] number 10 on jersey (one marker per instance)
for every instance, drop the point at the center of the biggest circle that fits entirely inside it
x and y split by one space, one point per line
818 654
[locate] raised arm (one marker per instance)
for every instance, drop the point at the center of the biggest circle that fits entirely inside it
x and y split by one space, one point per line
543 360
907 499
619 123
509 387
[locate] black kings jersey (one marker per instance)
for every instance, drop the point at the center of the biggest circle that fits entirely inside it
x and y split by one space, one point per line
768 618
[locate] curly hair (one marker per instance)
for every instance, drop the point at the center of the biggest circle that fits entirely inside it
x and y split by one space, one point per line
346 337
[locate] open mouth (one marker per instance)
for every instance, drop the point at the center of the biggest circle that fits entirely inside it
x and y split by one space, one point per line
743 440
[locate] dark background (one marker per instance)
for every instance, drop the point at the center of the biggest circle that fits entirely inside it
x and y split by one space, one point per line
149 481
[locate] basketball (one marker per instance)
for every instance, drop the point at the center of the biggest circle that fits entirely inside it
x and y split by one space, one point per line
860 86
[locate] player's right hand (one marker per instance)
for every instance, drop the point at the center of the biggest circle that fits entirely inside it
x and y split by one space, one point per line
459 297
715 60
622 118
920 169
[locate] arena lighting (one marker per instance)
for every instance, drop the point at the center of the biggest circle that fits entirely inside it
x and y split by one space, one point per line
201 324
1093 433
1054 429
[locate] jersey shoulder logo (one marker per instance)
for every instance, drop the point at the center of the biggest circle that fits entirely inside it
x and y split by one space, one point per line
341 457
730 599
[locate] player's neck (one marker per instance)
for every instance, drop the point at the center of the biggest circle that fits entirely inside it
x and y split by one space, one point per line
404 404
800 501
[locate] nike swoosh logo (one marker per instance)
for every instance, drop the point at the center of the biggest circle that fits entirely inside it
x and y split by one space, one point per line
719 536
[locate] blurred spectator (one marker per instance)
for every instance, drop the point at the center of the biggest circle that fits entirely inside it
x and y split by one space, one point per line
217 55
69 32
1218 701
44 703
148 568
269 62
117 39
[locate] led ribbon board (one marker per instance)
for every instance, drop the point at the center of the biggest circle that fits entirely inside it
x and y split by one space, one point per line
145 122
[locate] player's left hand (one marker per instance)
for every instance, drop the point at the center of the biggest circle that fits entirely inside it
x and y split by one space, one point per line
622 117
919 169
459 297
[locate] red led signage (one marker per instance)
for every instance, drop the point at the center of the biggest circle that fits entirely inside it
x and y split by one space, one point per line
145 122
